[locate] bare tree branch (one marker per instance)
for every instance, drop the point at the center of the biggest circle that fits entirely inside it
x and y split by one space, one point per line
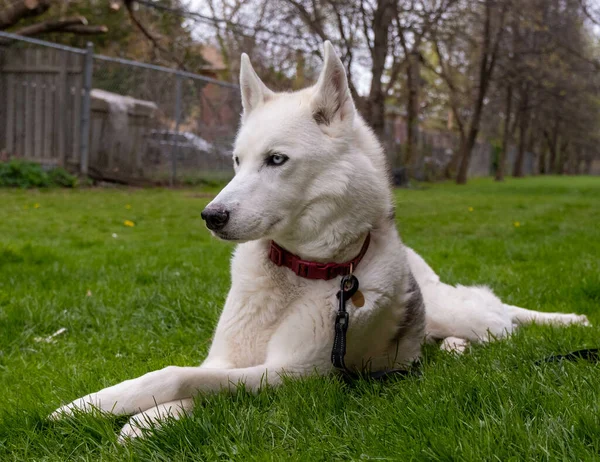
51 26
20 9
149 36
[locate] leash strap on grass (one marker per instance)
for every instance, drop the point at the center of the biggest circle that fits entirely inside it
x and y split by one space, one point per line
588 354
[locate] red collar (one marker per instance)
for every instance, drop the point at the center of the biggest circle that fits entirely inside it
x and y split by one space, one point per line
311 269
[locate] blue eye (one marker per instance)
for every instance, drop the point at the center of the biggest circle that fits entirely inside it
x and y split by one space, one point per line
277 159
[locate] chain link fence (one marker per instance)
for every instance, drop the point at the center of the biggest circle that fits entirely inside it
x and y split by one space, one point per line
111 118
120 120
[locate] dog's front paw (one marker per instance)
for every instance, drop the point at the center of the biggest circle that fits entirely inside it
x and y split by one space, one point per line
140 424
574 319
129 431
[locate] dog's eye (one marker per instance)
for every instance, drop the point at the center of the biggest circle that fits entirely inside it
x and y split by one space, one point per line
236 160
277 159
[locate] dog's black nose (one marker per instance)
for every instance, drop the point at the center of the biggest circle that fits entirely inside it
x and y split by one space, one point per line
215 217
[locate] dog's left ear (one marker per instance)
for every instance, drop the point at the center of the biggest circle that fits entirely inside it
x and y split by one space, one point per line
332 101
254 91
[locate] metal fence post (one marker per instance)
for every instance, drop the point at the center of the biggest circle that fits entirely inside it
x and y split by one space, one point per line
177 117
86 108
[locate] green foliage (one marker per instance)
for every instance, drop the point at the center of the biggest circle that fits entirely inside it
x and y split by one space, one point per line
135 299
23 174
60 177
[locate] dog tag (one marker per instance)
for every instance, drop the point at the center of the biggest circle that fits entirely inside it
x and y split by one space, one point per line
358 299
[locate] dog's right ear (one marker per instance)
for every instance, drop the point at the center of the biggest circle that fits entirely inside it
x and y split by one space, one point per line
331 101
254 91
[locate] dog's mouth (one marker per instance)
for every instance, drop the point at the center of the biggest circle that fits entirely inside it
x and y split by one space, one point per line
247 235
225 236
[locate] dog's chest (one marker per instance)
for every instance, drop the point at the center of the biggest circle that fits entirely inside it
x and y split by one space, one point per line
259 301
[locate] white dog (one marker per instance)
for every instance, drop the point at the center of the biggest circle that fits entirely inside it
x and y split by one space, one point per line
311 201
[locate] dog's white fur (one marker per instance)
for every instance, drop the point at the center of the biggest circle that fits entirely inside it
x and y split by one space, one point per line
320 205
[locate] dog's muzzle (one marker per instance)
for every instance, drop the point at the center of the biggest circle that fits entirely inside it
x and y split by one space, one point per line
215 217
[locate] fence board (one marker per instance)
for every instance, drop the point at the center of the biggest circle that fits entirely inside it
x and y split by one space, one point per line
76 81
60 102
19 117
49 103
3 104
28 120
42 104
38 144
10 112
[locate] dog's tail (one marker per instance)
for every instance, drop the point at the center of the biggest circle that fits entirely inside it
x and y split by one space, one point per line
523 316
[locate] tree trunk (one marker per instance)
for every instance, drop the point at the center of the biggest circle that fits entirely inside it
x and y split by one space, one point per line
467 149
562 156
452 166
505 136
573 161
553 146
489 53
532 142
375 104
542 162
413 76
588 164
518 165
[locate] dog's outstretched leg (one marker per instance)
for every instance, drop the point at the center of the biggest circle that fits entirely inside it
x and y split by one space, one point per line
524 316
173 384
152 418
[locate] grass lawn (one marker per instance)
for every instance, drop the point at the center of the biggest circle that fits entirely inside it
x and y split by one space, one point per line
134 299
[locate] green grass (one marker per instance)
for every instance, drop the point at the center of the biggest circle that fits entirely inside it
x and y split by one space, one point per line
151 296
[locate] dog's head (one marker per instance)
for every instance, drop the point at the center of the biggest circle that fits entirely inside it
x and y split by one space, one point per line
300 162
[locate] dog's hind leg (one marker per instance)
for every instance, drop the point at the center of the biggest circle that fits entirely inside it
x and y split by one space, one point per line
454 345
523 316
153 417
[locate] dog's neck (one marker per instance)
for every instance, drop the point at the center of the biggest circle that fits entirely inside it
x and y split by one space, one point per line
332 235
326 249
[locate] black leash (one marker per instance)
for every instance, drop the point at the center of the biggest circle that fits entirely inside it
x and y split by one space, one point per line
348 287
588 354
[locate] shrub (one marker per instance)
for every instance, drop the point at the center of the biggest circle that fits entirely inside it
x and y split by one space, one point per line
60 177
24 174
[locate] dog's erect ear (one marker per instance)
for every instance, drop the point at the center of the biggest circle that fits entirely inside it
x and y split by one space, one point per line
254 91
332 101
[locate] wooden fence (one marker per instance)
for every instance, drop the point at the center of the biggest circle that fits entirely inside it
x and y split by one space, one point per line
112 118
40 104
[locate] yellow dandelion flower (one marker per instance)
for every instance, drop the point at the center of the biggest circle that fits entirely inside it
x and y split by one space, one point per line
128 207
129 223
517 224
36 206
471 209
